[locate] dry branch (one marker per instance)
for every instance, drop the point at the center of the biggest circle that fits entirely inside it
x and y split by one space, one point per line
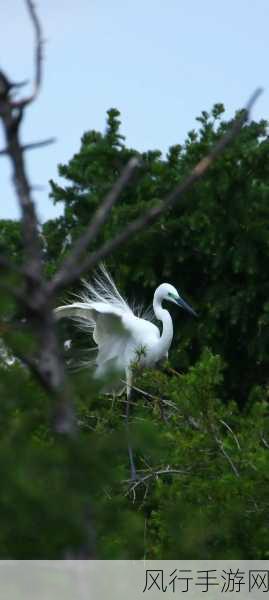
154 474
48 364
37 59
68 271
31 146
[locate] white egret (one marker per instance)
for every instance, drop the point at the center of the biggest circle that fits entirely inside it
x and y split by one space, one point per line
121 336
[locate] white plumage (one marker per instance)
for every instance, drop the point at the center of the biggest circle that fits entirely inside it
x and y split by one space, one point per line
121 336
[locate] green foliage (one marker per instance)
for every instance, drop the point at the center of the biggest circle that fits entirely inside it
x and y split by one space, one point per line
11 240
199 425
213 246
203 467
215 506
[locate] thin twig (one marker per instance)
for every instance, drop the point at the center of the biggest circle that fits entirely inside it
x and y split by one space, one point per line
48 366
152 475
40 144
37 59
265 442
226 455
30 146
157 398
232 432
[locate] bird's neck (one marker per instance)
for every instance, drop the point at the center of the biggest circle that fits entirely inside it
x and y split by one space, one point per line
167 333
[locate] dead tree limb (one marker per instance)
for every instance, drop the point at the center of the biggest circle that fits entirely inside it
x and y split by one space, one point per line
69 268
153 475
37 58
31 146
48 364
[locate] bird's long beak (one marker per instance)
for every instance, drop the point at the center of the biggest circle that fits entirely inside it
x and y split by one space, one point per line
186 306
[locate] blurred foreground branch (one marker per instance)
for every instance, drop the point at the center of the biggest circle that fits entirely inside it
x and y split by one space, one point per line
47 363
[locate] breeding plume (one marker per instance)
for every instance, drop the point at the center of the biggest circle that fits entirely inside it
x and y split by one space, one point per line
122 337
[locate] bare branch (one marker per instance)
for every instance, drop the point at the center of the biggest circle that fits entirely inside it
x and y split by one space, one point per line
63 416
232 432
38 57
31 146
63 277
48 365
29 217
19 84
68 271
156 398
40 144
153 475
226 455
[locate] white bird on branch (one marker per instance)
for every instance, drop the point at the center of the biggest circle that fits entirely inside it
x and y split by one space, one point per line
122 337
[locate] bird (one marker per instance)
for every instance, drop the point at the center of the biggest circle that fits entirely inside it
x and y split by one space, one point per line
123 335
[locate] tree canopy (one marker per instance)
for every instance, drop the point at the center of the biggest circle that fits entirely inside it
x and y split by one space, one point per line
213 246
200 423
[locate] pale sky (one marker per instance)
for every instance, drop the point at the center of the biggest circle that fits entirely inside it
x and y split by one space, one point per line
160 62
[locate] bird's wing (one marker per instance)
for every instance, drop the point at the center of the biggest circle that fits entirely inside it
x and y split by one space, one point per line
116 330
109 328
77 310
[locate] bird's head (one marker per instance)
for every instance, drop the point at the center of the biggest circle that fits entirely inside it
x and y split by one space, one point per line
166 291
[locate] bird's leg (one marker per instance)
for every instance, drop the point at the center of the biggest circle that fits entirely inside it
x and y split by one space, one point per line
130 450
113 399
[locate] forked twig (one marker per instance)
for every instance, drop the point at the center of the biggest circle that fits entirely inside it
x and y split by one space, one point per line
154 474
37 59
